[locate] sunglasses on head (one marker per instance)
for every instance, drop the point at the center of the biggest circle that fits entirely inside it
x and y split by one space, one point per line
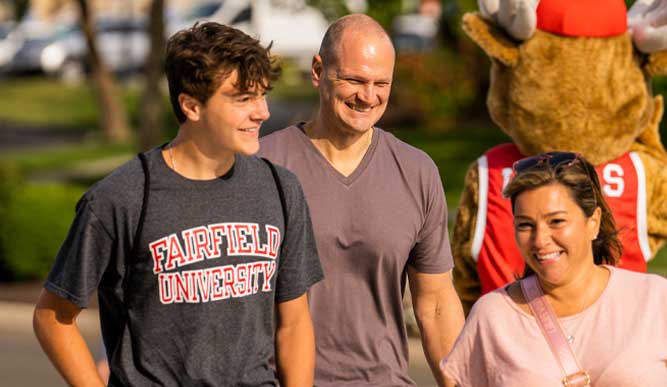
553 159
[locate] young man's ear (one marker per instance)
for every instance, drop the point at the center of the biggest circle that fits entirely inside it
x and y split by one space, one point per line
316 69
190 106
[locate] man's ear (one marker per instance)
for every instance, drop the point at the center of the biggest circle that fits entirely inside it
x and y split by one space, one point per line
490 38
316 70
656 65
190 106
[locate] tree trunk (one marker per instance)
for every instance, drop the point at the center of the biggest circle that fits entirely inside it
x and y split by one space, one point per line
151 102
113 117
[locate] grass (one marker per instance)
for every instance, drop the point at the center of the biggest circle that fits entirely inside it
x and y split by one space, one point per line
47 102
62 156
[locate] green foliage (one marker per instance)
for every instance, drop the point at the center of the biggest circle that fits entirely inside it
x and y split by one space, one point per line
10 180
34 226
384 11
48 103
43 101
332 9
62 157
660 88
20 8
430 89
659 264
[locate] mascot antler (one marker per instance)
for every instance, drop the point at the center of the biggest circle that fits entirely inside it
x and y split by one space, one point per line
517 17
647 19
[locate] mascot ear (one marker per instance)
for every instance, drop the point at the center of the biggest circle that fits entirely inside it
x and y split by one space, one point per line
657 64
493 40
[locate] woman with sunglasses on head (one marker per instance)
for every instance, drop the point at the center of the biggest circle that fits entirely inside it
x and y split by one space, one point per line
573 319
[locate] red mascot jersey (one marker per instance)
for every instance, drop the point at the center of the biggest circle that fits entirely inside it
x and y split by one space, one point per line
494 248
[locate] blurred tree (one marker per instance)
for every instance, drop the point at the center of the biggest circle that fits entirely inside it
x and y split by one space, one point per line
383 11
476 63
332 9
151 111
20 7
113 117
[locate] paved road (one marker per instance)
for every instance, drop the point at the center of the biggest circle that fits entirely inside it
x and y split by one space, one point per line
23 364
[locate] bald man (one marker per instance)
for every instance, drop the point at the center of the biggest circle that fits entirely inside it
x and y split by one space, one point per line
379 213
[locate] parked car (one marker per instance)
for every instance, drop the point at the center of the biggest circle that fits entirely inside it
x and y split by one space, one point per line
295 29
23 56
236 13
414 33
9 42
122 43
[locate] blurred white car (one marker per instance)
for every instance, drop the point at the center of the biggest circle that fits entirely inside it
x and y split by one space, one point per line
414 33
236 13
295 29
122 43
9 42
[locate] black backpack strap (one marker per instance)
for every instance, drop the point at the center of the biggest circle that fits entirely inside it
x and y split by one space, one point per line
281 193
144 205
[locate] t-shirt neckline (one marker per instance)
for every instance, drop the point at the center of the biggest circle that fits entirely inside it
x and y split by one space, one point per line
351 178
173 177
577 315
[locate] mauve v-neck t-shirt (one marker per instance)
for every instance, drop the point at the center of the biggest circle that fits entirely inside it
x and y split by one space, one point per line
389 213
621 340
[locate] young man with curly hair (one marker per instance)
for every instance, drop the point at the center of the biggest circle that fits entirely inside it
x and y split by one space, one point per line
198 251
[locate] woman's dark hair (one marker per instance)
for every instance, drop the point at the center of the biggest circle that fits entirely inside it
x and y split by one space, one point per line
581 181
200 58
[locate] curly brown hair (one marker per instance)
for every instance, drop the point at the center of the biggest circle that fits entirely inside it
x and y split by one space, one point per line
200 58
581 181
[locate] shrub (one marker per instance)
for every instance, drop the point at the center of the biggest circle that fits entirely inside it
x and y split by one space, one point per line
430 90
10 180
35 222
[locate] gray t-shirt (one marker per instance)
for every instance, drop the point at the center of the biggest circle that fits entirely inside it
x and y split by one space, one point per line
389 213
197 305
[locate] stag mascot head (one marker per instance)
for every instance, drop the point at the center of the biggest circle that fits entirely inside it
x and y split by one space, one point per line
567 75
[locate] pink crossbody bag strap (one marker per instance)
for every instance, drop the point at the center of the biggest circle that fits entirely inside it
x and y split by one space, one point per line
553 333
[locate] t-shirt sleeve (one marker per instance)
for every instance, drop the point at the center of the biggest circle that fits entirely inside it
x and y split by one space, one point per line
432 253
299 262
83 257
466 363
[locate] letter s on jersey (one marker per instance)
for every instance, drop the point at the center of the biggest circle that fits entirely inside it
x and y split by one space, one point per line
613 183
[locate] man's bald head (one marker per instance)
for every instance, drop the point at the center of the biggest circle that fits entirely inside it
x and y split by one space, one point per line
350 27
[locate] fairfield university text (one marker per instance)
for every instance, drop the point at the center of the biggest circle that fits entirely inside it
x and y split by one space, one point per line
220 282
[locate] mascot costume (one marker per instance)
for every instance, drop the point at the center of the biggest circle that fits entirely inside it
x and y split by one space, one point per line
567 75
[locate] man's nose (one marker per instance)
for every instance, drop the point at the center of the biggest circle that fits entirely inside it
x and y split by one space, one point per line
261 111
368 94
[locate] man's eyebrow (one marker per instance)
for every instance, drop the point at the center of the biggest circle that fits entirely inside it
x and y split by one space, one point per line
342 75
246 93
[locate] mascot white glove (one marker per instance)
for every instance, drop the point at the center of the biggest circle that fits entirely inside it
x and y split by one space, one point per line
647 21
517 17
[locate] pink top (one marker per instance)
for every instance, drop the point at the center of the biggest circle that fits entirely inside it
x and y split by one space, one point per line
621 340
